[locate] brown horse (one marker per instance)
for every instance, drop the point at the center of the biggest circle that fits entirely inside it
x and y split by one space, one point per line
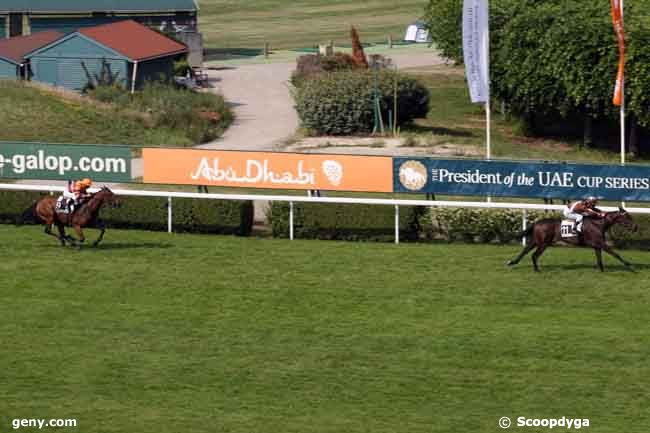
86 215
546 232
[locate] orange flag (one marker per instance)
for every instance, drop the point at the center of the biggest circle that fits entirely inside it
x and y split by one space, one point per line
617 20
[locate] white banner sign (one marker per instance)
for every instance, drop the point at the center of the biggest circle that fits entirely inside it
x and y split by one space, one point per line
476 47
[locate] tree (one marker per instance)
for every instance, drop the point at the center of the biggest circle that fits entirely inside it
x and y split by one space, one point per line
357 49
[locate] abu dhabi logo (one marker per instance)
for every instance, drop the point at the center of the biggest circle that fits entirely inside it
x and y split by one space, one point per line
333 171
413 175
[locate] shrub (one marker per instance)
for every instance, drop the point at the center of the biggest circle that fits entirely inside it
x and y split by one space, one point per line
358 53
115 94
14 203
345 222
476 225
624 238
342 103
182 68
150 213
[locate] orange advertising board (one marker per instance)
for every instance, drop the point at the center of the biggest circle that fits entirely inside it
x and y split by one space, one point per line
268 170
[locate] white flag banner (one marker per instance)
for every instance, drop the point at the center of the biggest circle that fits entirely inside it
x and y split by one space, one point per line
476 46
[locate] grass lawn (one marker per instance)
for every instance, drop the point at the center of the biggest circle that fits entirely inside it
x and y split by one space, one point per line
28 114
302 23
166 333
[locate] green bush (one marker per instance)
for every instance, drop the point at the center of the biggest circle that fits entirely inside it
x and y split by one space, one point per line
625 238
110 94
477 225
182 68
341 103
150 213
345 222
14 203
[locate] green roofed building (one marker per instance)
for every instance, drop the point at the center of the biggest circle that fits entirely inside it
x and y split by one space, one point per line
177 17
72 60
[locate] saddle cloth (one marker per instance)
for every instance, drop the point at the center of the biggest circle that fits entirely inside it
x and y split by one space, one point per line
62 205
566 229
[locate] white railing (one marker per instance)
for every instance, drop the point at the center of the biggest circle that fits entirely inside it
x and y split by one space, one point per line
291 199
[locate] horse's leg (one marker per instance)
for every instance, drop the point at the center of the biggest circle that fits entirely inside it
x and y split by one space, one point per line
599 259
613 253
61 229
48 230
523 253
102 228
80 236
536 255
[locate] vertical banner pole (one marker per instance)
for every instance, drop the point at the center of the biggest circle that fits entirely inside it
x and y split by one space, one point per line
476 56
488 144
488 113
524 223
622 111
488 110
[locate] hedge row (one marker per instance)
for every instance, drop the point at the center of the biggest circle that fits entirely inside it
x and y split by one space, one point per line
150 213
345 222
377 223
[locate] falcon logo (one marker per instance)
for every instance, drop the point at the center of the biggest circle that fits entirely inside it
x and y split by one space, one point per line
413 175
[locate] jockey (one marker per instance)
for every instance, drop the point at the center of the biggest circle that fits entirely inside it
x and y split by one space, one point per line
581 208
76 193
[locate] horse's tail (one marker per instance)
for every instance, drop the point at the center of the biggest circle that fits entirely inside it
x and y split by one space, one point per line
29 215
525 233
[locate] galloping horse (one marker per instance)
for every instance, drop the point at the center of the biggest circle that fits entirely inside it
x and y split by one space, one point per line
546 232
86 215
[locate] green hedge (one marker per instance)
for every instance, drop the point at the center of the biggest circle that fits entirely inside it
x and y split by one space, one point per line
341 103
150 213
624 238
477 225
345 222
13 204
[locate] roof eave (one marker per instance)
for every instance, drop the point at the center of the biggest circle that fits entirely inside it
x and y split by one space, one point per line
160 56
17 63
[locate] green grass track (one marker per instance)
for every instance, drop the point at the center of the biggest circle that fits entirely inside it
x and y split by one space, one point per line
162 333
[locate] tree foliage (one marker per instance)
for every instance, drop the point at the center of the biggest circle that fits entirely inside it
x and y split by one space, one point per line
555 57
358 54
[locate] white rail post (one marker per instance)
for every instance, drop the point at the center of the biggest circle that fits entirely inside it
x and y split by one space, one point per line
524 223
396 224
169 214
291 220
